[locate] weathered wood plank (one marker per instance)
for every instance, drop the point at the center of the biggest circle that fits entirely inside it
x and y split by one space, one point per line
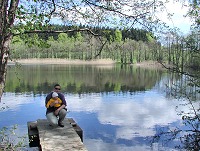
59 138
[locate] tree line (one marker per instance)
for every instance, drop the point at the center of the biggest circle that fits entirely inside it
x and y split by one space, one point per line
107 32
123 46
81 45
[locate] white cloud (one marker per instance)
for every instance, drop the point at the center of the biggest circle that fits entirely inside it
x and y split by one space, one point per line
14 101
135 116
88 103
99 145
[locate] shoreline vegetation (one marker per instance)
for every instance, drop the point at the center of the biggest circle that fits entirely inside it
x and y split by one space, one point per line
146 64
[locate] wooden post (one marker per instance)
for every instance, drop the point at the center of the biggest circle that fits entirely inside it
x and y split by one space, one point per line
33 134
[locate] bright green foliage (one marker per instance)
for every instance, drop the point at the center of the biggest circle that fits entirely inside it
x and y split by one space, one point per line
118 35
18 47
78 37
51 39
149 37
29 17
117 87
17 40
62 37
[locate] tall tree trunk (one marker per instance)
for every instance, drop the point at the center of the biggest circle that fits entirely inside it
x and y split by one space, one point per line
3 62
7 17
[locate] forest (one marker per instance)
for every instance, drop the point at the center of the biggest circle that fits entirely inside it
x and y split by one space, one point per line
121 45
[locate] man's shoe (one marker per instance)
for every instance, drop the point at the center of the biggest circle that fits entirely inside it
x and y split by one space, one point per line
60 124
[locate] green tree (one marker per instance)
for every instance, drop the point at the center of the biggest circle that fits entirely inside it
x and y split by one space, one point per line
150 37
79 37
62 37
118 35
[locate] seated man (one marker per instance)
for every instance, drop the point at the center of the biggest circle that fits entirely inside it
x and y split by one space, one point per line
55 104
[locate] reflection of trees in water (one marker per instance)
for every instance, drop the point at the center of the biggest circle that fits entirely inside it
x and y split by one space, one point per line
81 79
187 134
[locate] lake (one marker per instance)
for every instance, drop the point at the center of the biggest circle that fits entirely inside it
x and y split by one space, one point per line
118 107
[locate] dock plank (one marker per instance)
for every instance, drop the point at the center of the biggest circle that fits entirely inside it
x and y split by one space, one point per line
59 138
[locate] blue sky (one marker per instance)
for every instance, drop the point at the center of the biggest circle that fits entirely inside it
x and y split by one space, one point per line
178 9
178 20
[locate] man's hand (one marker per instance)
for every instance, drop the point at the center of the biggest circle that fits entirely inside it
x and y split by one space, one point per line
56 112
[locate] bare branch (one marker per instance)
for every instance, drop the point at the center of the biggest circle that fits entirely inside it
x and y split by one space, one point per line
63 31
175 69
54 8
116 11
100 50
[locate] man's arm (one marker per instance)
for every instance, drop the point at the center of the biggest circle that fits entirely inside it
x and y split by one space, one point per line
48 97
62 97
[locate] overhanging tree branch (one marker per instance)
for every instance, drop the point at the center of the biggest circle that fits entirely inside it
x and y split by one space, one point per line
62 31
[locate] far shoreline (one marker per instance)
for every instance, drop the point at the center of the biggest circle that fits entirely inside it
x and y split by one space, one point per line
62 61
144 64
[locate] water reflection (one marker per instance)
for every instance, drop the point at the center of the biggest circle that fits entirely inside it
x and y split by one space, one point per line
80 79
117 108
127 120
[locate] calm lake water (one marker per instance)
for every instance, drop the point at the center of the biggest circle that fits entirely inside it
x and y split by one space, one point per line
118 107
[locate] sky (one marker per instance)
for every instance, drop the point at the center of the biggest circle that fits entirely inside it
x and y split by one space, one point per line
178 20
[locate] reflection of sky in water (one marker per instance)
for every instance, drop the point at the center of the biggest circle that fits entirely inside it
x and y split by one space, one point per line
112 121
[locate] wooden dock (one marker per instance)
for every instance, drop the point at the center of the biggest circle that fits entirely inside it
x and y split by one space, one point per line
49 138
